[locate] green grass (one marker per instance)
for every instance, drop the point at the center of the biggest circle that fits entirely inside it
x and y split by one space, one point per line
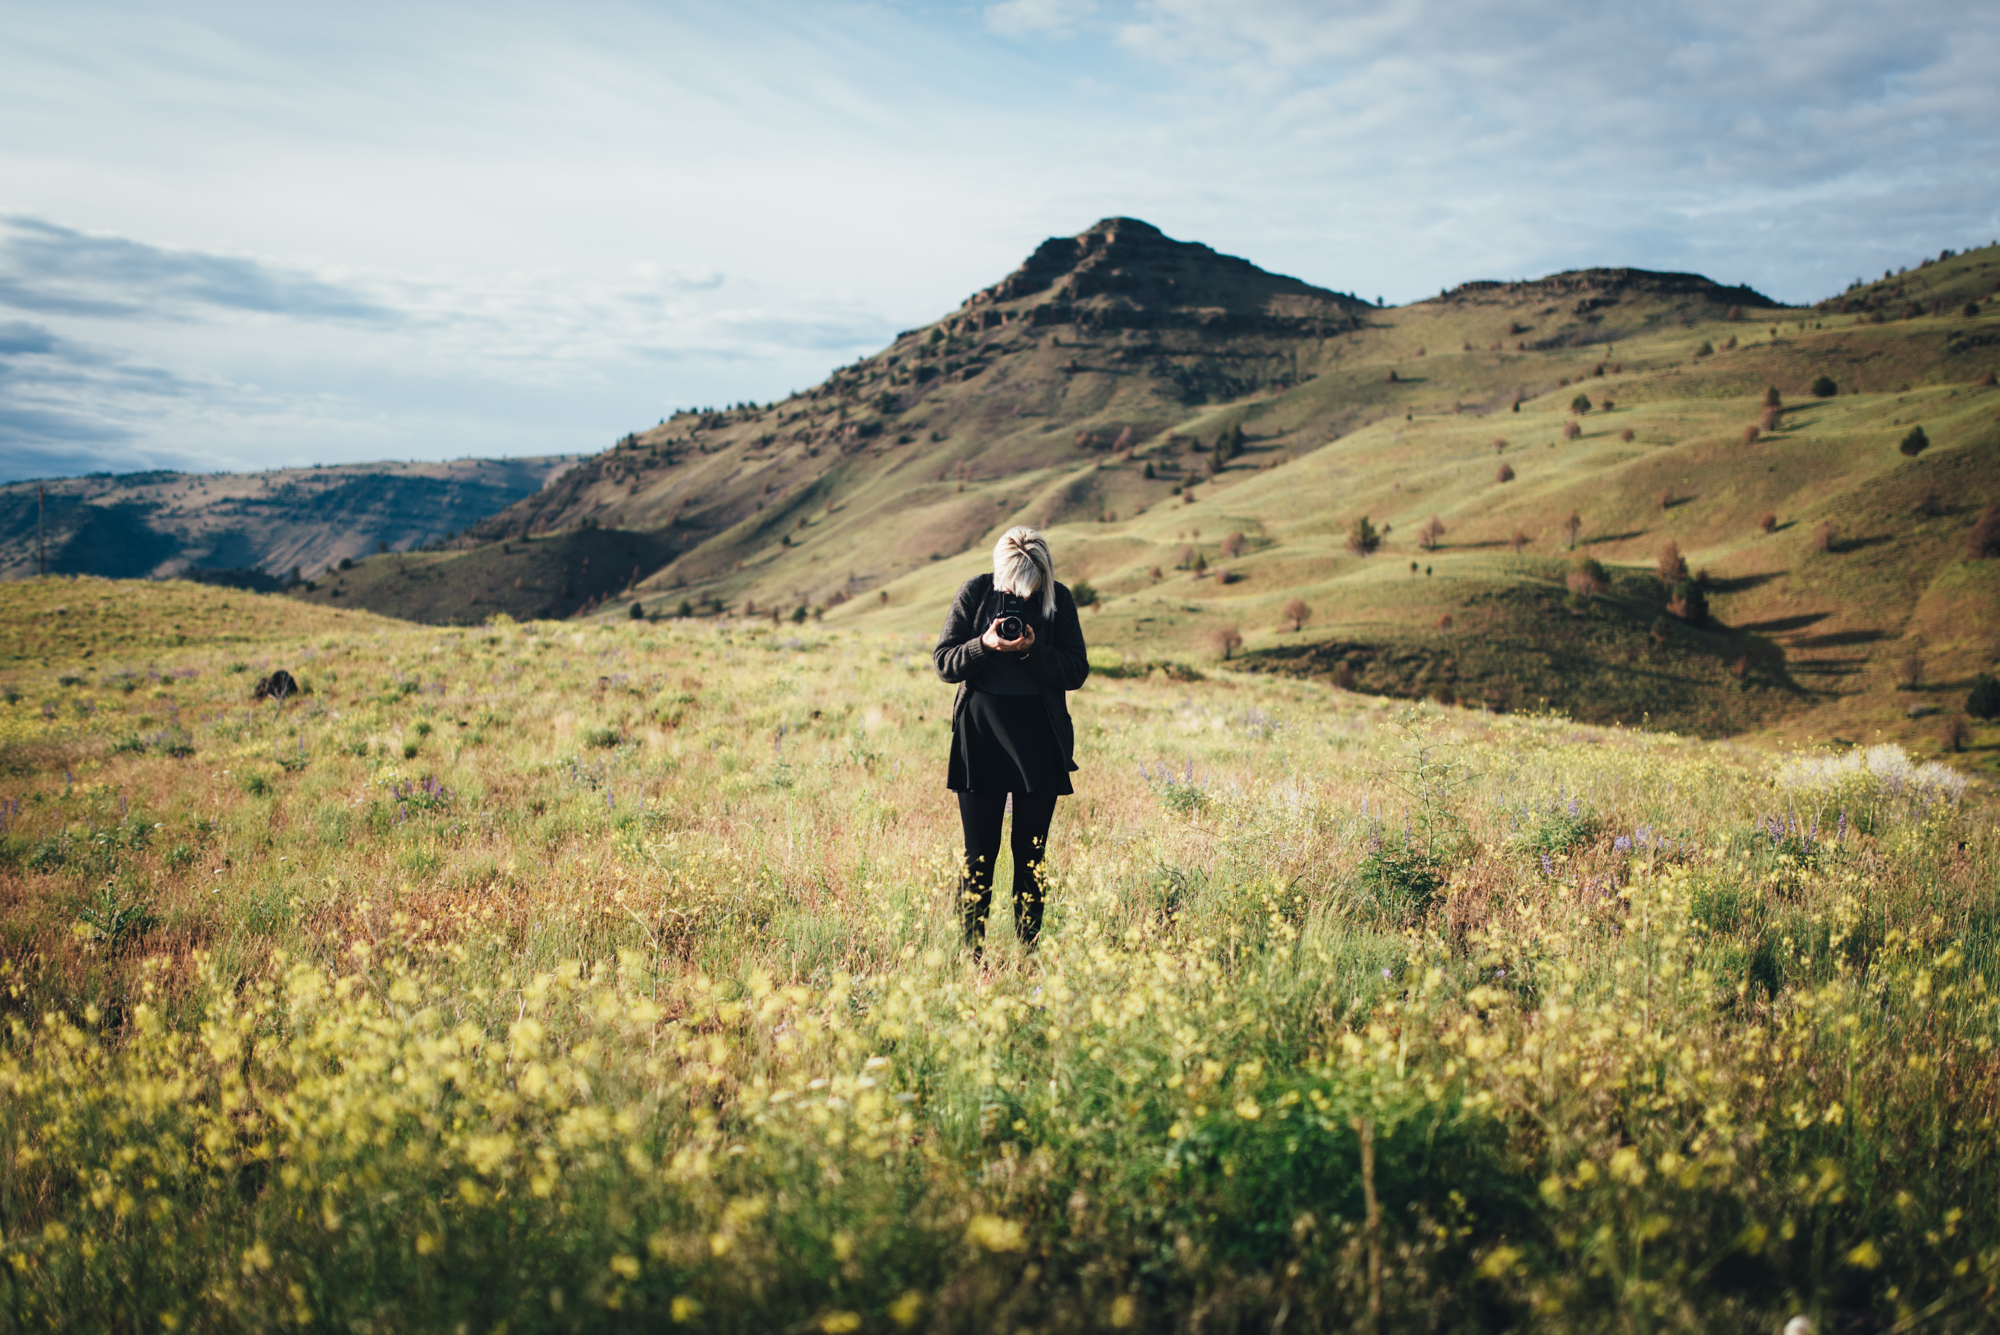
1619 1029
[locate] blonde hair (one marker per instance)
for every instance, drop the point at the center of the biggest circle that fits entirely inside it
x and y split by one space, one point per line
1023 567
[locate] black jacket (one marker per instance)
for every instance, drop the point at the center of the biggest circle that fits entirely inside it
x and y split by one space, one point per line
1058 660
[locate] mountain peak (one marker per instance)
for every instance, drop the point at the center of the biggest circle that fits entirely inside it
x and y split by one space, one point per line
1126 273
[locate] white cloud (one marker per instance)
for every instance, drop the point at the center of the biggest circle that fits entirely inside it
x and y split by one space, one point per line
1014 18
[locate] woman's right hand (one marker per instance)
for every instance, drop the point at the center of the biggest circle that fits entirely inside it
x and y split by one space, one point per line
991 639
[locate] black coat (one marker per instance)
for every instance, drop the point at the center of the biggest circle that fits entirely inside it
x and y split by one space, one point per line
1058 661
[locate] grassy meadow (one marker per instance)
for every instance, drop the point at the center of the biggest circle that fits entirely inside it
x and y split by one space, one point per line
563 976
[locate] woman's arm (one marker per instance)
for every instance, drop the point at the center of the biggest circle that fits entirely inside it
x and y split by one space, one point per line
959 654
1062 662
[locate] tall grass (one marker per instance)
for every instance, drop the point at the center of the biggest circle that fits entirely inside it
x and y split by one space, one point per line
530 1031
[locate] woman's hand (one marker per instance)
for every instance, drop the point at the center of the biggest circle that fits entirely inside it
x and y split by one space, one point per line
991 639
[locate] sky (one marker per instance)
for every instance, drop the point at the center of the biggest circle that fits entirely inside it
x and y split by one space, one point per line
250 235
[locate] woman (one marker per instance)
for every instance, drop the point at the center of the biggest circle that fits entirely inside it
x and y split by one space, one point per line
1013 645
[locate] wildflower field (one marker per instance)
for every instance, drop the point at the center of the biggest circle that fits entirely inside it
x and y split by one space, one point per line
604 976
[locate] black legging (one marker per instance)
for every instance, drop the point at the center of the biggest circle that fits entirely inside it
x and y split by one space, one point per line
980 813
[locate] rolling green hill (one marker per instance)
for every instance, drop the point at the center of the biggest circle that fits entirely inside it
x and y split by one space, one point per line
1086 394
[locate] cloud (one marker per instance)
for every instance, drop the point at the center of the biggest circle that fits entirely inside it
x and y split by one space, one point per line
51 269
1015 18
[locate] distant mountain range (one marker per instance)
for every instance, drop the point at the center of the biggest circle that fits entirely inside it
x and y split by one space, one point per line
140 525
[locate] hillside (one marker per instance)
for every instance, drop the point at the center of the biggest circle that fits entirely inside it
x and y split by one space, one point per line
163 523
1086 392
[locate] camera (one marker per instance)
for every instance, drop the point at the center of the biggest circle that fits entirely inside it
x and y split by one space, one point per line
1009 623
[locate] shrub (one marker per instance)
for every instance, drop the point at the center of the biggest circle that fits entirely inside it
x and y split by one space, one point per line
1587 578
1297 612
1823 537
1666 498
1571 527
1499 444
1953 734
1428 535
1572 429
1362 538
1770 419
1910 672
1984 540
1971 309
1627 435
1399 878
1824 388
1671 566
1232 546
1772 399
1707 349
1915 443
1084 593
1518 541
1983 700
1580 404
1607 405
1444 622
1750 434
1226 640
1506 474
1768 522
638 612
1689 603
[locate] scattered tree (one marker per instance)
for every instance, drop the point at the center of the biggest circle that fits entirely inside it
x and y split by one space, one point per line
1984 540
1428 535
1444 622
1915 443
1983 701
1750 434
1666 498
1689 602
1572 429
1953 734
1149 468
1083 593
1707 349
1768 523
1770 418
1572 527
1200 565
1587 578
1671 566
1772 399
1518 541
638 612
1823 537
1297 612
1362 538
1580 404
1824 388
1226 639
1157 576
1125 441
1499 444
1506 473
1910 672
1232 546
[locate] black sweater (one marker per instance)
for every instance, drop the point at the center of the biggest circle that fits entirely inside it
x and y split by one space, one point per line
1058 661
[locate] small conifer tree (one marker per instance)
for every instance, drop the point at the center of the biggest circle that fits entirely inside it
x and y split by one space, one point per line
1362 537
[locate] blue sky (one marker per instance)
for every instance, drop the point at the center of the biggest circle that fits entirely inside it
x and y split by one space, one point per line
251 235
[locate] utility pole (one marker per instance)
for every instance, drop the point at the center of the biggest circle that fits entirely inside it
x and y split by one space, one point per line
42 529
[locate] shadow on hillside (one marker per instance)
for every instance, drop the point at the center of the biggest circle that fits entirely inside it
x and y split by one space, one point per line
1676 502
1840 545
1743 583
1598 539
1616 659
1840 639
1781 625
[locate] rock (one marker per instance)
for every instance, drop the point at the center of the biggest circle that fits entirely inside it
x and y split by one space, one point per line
1921 711
279 685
